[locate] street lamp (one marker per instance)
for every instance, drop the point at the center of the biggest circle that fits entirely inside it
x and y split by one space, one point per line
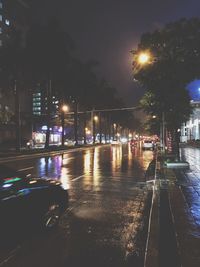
64 109
144 57
95 119
114 129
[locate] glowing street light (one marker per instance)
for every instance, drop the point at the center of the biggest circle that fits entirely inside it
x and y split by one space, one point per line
96 118
143 58
64 109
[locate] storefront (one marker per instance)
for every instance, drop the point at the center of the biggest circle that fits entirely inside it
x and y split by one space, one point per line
39 137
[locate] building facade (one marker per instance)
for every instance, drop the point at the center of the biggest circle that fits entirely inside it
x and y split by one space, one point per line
191 129
39 115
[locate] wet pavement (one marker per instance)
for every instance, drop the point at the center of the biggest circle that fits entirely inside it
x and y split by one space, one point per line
190 181
181 190
108 210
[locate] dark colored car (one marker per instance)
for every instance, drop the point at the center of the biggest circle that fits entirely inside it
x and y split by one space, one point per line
29 202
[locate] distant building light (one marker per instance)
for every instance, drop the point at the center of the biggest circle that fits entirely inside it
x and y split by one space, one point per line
7 22
44 127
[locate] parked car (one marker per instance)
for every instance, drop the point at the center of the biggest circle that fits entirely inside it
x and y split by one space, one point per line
29 202
147 144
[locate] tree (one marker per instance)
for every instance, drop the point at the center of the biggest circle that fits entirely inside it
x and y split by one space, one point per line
174 61
48 53
13 72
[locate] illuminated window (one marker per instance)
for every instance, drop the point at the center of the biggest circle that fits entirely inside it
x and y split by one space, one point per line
1 18
1 5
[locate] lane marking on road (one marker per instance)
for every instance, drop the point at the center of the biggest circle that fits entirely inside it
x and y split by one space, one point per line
65 158
77 178
25 169
12 254
47 154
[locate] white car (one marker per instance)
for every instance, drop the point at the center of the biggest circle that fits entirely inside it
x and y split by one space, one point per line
147 144
115 142
69 142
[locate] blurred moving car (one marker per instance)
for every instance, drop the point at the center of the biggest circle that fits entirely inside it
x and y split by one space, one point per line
133 143
147 144
28 202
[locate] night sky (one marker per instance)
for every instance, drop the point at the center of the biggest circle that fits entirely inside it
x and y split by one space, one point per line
106 30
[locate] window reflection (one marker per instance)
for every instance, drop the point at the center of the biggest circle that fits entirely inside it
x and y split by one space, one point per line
64 178
116 158
96 167
87 163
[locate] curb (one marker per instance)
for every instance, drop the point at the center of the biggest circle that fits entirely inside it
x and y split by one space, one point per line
152 244
45 154
187 232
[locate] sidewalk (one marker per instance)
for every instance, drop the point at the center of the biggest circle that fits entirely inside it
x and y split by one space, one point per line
186 229
174 237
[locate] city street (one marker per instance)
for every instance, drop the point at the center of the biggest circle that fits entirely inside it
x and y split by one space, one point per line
107 219
99 133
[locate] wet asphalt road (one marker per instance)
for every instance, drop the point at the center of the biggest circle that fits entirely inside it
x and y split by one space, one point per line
105 220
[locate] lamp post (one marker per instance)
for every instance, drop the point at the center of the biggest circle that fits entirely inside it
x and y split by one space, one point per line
95 119
114 130
17 117
64 109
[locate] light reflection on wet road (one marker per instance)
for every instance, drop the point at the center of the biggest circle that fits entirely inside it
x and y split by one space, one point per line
106 210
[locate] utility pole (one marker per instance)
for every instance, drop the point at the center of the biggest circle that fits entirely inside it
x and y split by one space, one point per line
94 130
84 126
92 123
109 127
17 117
76 122
163 131
63 127
49 99
100 128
